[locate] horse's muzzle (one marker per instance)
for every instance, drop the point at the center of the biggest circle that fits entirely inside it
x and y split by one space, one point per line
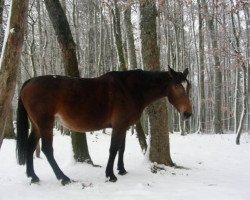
186 115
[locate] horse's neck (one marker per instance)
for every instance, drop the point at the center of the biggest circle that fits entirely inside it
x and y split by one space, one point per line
150 91
151 94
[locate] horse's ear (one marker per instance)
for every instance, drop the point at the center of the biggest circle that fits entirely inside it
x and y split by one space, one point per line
185 72
171 71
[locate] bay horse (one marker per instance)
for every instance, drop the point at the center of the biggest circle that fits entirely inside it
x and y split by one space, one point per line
115 100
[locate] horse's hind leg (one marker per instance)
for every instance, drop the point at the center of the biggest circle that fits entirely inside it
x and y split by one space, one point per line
31 146
120 167
47 141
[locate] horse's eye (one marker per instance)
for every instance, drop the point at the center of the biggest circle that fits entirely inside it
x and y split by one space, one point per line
177 85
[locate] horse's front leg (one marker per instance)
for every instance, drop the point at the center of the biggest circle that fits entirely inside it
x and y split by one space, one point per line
117 139
120 165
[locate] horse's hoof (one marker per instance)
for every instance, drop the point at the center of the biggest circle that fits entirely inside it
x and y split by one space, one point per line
65 181
35 180
122 172
112 178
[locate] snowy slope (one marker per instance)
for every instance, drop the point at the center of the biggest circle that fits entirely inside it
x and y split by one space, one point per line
215 169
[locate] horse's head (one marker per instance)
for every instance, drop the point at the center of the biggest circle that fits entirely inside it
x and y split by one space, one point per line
178 92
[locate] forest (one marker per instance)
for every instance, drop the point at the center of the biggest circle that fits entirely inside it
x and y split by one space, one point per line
88 38
210 38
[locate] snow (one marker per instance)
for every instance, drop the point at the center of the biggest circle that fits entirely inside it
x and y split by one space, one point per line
213 168
12 30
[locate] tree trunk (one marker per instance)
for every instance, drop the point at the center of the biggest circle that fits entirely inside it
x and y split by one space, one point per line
68 48
218 124
1 25
118 37
40 35
159 151
75 16
100 57
9 128
247 19
202 71
91 41
240 63
64 37
244 108
10 58
130 39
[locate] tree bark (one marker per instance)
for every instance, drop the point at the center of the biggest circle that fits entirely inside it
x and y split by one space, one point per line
91 41
247 19
10 58
9 128
218 124
68 48
130 39
118 37
202 71
1 25
159 151
244 108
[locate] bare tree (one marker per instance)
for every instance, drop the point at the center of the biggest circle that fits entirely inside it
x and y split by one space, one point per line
10 58
130 38
1 24
240 64
201 69
118 36
159 151
210 20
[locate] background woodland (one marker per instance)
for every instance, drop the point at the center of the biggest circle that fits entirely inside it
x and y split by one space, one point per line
210 37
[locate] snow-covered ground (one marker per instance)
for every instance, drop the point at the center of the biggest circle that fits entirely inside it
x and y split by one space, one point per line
215 168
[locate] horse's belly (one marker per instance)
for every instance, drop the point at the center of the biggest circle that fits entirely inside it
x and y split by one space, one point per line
81 125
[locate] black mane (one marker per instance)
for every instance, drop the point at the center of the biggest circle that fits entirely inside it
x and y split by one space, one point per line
149 76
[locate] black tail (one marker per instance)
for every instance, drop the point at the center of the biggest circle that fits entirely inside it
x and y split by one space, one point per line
22 133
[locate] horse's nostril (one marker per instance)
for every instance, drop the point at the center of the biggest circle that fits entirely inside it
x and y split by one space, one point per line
187 114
